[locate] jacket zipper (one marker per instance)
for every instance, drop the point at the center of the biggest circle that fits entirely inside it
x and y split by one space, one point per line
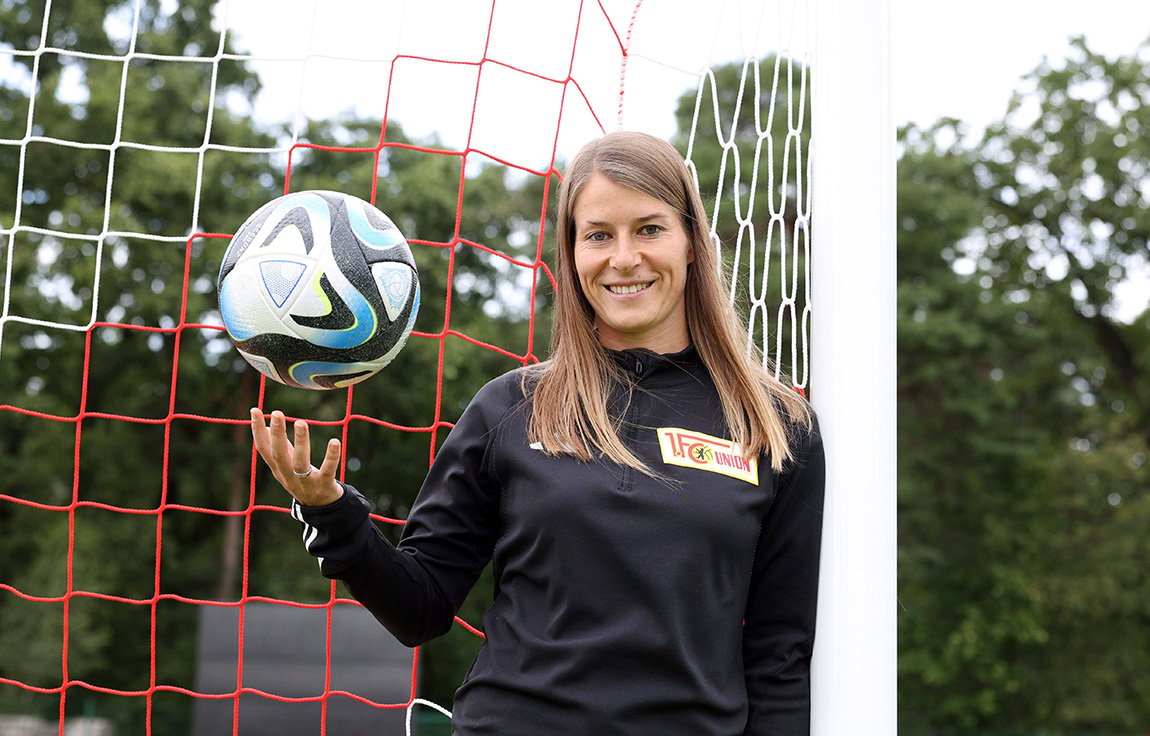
631 432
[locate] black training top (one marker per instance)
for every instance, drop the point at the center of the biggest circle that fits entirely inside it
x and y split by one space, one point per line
624 603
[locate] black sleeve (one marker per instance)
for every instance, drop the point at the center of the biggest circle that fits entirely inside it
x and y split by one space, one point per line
415 589
779 628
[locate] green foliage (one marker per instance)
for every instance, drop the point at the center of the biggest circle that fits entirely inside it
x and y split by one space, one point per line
1022 420
1065 176
967 606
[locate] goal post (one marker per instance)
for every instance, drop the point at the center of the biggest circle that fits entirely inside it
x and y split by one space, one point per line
853 365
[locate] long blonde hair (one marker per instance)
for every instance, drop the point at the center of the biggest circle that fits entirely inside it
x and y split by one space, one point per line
571 389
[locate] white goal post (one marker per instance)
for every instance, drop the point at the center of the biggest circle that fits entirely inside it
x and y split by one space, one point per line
853 364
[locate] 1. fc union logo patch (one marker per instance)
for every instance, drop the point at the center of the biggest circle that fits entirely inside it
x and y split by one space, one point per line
702 451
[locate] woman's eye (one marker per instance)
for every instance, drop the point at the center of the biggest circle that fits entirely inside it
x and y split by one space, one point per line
597 237
650 229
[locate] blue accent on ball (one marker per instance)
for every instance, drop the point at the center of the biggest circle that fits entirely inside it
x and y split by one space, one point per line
280 279
367 233
354 336
304 373
414 311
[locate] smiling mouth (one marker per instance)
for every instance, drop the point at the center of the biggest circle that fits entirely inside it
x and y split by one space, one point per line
629 289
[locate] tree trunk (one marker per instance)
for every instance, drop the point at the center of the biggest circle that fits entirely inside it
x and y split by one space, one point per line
239 490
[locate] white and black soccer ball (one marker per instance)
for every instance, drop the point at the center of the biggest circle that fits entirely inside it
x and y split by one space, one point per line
318 290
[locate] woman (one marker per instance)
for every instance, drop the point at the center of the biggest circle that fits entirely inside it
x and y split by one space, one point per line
650 499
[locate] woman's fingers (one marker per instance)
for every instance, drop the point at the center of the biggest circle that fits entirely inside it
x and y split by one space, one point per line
281 446
272 443
260 435
301 457
326 488
330 460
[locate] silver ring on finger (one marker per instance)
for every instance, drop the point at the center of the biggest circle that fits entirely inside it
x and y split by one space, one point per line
301 475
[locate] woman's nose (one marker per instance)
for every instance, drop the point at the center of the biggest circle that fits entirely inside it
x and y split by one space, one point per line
626 255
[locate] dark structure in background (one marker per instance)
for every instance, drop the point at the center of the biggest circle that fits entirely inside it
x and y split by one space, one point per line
285 655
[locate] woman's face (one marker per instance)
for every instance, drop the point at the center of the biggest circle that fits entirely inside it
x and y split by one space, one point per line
631 256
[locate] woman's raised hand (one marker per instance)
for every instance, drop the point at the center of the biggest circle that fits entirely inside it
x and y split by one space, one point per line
290 461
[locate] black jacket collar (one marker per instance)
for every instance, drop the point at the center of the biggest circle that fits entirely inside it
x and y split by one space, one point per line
648 367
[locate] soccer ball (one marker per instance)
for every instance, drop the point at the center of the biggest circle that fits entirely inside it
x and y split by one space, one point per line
318 290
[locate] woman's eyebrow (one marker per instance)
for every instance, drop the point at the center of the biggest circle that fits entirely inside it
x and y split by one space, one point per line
644 218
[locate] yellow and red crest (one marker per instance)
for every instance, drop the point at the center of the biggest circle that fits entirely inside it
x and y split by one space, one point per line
704 452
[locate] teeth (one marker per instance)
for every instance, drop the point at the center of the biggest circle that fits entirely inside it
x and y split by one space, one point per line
628 289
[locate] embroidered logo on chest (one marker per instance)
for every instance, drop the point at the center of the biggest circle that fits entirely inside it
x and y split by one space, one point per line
704 452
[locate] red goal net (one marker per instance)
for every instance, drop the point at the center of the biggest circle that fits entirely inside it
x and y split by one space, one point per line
151 578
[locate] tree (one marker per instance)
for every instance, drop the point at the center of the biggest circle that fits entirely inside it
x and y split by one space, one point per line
1022 440
1065 172
968 447
1064 175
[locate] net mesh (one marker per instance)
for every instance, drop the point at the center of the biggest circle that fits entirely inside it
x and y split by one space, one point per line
135 141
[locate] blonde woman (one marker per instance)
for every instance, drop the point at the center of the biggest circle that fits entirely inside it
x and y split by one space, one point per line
650 498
